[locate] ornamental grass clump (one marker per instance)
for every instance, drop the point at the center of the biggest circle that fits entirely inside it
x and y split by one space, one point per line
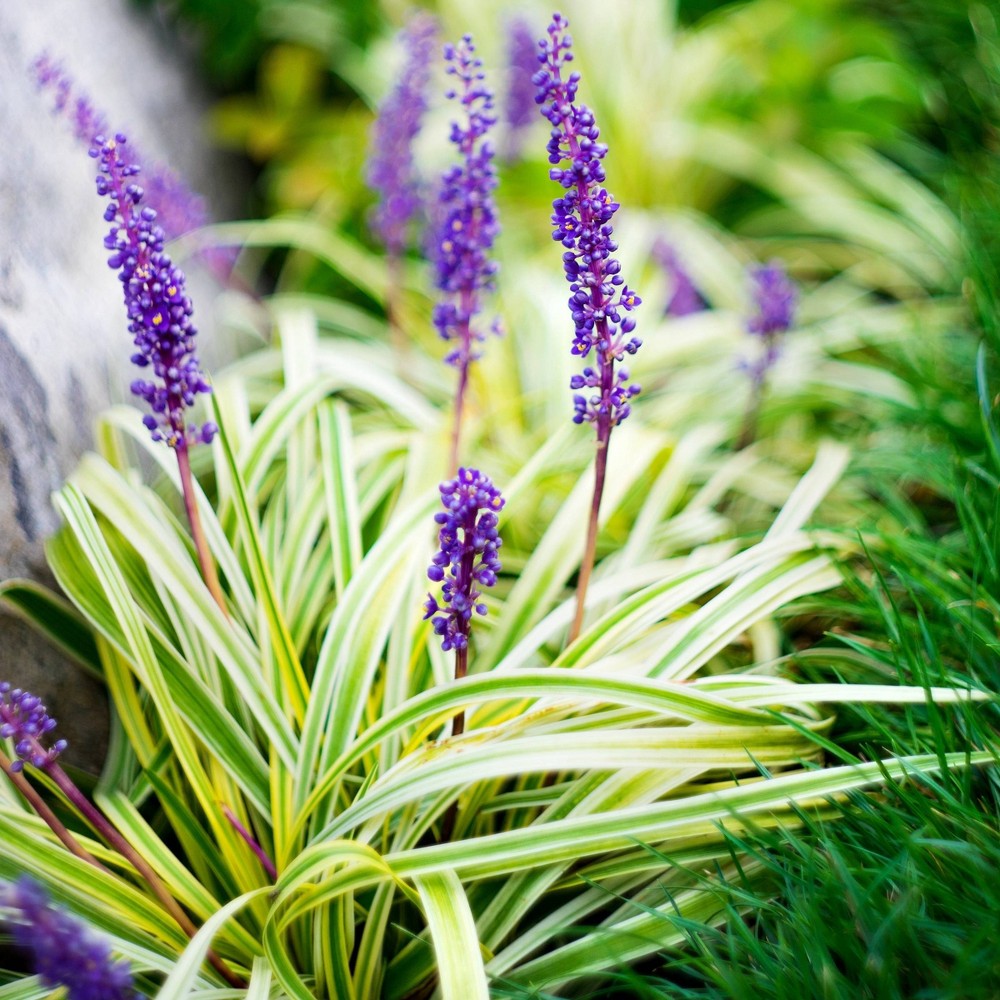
464 271
601 303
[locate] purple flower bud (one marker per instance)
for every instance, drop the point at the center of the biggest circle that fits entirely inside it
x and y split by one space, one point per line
581 222
64 951
24 720
469 542
390 162
466 211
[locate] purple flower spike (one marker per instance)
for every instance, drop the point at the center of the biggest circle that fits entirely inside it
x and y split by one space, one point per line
467 557
64 950
774 296
684 299
601 303
468 214
390 164
159 311
519 101
24 720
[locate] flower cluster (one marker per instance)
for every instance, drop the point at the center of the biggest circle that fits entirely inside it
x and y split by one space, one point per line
468 216
64 951
684 297
24 720
519 100
468 555
159 311
774 296
390 163
601 303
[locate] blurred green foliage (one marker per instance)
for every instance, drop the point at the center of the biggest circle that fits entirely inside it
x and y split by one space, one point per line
300 80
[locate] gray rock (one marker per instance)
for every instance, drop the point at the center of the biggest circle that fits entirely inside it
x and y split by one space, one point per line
64 346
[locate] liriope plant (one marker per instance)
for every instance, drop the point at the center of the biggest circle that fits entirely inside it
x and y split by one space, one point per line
285 759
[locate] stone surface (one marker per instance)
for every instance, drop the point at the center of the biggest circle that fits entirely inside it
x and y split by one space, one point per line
64 345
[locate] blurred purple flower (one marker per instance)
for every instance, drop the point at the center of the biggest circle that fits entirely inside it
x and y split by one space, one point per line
390 162
159 311
774 295
180 209
519 99
64 951
468 217
601 304
467 557
684 297
24 720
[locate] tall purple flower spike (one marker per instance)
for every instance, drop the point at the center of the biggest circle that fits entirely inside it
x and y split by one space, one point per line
64 951
24 720
159 311
468 216
774 296
467 558
390 164
601 303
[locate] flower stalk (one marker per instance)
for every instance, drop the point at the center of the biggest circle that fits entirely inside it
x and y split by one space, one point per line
159 313
464 270
601 303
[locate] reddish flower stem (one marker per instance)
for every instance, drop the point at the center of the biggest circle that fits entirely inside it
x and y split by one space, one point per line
205 561
106 829
590 548
266 862
47 815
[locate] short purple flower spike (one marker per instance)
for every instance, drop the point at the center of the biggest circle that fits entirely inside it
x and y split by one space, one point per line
64 951
468 555
601 303
24 720
774 296
390 164
468 216
159 311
